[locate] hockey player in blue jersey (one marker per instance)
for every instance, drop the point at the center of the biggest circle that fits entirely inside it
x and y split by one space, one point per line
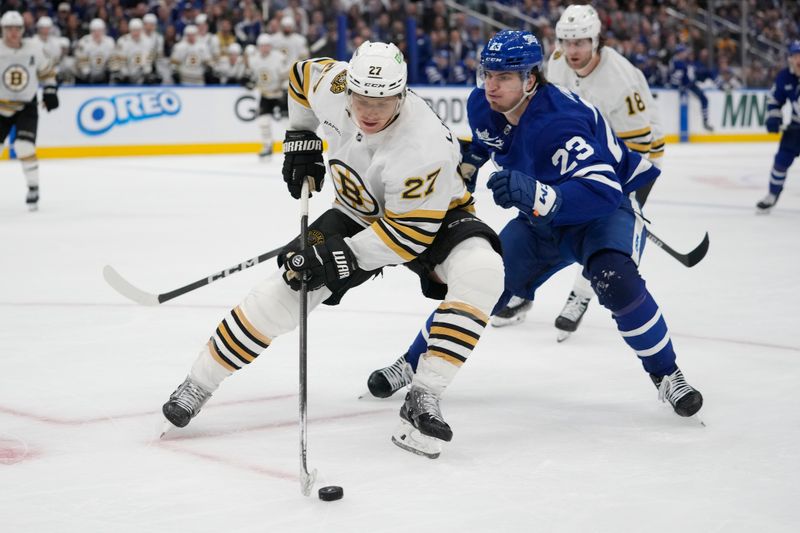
571 179
682 75
785 89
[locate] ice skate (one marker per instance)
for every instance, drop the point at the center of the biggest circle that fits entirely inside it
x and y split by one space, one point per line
766 204
184 403
513 313
422 428
685 399
266 153
571 315
386 381
708 127
32 200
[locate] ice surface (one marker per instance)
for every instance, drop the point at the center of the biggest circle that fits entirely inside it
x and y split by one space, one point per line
548 437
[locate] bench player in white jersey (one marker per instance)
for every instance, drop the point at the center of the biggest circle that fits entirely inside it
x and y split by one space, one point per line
190 59
208 39
48 40
133 56
393 166
293 45
160 65
94 53
231 68
270 73
603 77
24 66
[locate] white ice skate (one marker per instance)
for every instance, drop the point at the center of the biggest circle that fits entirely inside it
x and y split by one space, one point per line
766 204
571 315
422 429
32 199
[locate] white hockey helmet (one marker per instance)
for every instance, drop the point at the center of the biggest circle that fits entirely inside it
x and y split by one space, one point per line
44 22
202 18
190 29
235 48
11 18
150 18
135 24
264 38
97 24
579 22
288 21
377 69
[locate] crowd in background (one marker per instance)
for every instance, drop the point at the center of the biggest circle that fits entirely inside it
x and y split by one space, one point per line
448 41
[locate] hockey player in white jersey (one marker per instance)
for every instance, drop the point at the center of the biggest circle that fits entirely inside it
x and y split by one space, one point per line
190 59
133 56
231 69
93 53
603 77
208 39
293 45
48 40
393 166
24 66
270 73
160 64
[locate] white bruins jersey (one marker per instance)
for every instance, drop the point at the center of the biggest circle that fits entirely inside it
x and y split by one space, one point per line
294 46
398 183
158 44
212 43
226 70
22 70
93 57
191 61
620 91
270 72
51 47
132 58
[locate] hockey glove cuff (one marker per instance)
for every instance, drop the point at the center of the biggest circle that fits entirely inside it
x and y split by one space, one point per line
303 158
773 124
512 188
50 97
470 163
330 264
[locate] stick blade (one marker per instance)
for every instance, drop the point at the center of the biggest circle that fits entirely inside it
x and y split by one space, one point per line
126 289
697 255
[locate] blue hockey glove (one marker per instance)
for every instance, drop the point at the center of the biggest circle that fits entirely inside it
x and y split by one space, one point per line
470 163
512 188
329 264
773 124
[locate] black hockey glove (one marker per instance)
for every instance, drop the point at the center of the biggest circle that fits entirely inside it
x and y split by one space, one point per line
50 97
470 163
303 158
330 264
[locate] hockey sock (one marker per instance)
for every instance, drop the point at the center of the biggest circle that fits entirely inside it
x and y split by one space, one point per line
454 332
30 167
265 125
622 290
420 344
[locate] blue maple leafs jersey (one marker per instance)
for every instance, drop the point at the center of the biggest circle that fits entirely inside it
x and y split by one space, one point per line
561 140
786 88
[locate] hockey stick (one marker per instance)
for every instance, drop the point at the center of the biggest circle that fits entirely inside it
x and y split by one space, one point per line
690 259
306 479
128 290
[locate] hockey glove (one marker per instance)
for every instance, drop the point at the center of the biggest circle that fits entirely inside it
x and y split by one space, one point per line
329 264
303 158
50 97
512 188
773 124
470 163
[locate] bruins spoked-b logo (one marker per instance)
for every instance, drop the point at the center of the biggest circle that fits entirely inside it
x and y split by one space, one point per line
339 83
351 191
16 78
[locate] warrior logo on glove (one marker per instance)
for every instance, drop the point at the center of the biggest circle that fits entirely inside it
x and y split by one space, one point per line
298 260
330 264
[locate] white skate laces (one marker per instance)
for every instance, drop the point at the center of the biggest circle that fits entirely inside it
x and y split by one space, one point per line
575 307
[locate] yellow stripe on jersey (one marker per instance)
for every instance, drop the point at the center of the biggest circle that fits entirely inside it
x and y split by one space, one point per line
325 70
218 358
424 215
443 331
234 343
474 313
657 145
632 134
410 233
296 84
390 243
438 352
638 147
462 202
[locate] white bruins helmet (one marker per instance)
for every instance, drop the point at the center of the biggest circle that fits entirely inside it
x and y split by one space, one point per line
11 18
377 69
579 22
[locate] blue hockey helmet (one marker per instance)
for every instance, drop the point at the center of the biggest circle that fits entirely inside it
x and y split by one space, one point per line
794 47
511 50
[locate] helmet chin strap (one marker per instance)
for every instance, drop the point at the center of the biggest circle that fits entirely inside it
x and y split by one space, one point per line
525 96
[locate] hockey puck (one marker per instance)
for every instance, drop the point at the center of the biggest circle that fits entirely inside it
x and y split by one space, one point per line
331 493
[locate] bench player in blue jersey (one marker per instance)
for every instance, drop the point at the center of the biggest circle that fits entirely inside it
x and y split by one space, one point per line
785 89
571 179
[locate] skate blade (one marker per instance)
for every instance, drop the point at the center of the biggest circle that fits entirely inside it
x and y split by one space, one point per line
500 322
563 335
763 211
410 439
164 426
33 207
